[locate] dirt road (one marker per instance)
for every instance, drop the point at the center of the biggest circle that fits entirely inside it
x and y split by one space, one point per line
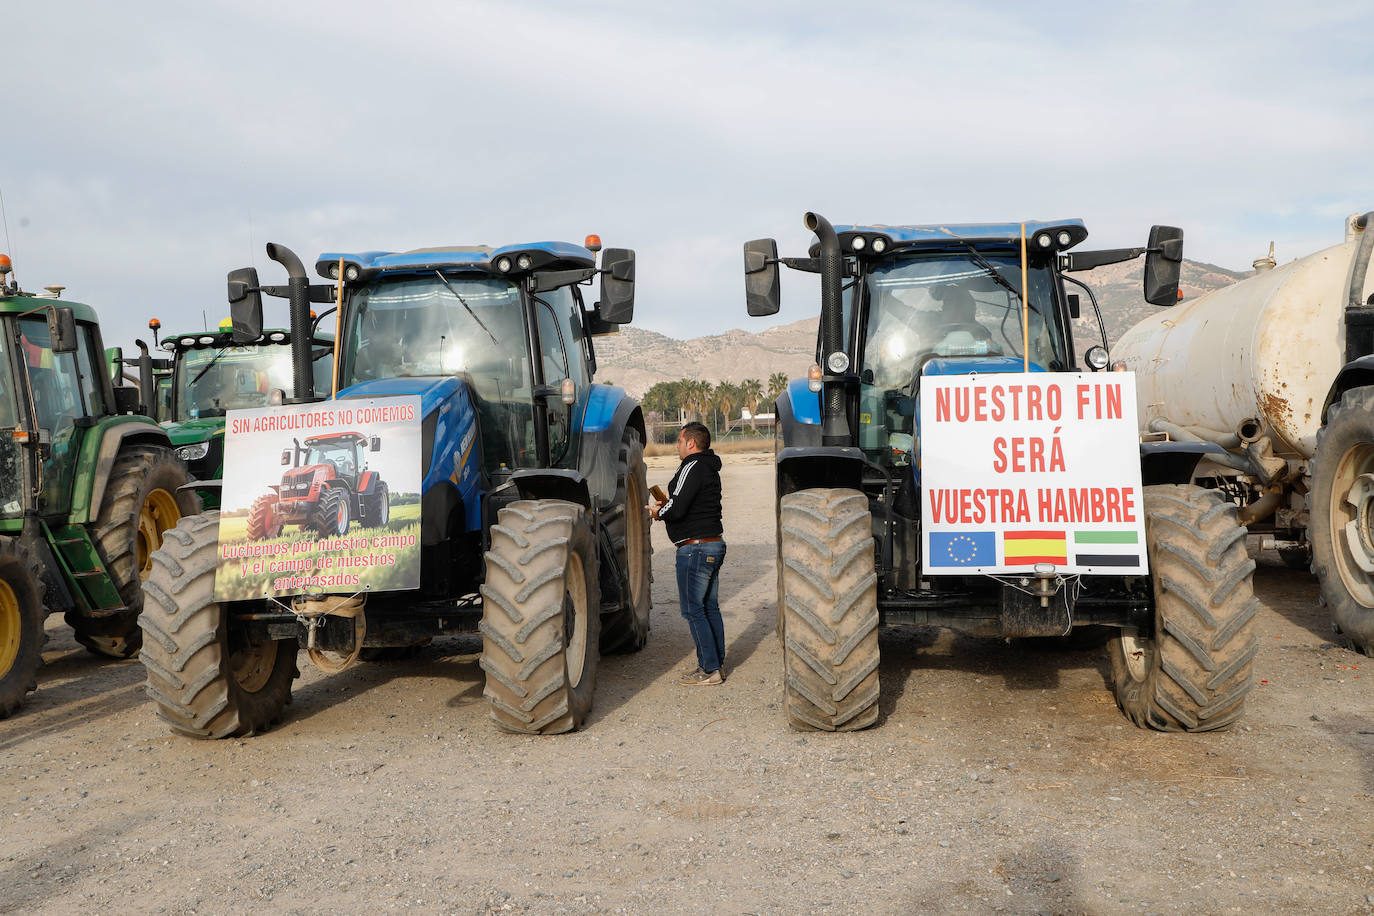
1000 778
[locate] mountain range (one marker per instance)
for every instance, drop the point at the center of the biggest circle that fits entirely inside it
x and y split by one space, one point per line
637 358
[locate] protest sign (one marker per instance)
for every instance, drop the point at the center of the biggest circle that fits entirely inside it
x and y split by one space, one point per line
322 496
1031 468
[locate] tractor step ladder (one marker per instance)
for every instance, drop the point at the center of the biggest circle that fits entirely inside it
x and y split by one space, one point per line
95 593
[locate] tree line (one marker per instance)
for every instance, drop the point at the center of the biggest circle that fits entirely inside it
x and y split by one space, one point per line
713 404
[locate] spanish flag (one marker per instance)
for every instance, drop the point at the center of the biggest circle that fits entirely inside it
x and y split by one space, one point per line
1026 548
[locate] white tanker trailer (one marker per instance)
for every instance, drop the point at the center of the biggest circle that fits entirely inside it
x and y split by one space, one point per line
1274 377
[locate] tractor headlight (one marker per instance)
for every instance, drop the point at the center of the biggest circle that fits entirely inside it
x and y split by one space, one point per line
1044 240
193 452
334 271
1064 238
351 272
503 264
524 262
879 245
858 242
837 361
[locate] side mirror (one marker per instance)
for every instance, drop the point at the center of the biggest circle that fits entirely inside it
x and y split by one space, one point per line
1163 262
245 305
62 329
126 399
376 443
1074 308
617 305
762 295
285 457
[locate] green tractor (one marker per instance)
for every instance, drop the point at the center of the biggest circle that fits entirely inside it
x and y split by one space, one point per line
87 487
208 374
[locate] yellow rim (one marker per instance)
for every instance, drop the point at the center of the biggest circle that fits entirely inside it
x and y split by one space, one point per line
160 512
11 628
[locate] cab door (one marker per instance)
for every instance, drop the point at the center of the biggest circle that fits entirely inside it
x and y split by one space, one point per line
67 397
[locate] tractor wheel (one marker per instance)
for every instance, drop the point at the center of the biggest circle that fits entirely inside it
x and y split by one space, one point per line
830 611
1341 507
1192 672
330 517
627 630
540 620
21 625
142 501
376 509
263 520
209 676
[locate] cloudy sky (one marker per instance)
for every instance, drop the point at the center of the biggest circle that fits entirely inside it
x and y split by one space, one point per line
150 147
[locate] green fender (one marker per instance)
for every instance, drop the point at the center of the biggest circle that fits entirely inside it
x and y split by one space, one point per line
99 448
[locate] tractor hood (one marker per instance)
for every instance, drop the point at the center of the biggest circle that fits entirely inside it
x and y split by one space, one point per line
189 432
982 365
431 391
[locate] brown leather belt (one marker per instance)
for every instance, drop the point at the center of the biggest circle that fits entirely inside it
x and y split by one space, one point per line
690 541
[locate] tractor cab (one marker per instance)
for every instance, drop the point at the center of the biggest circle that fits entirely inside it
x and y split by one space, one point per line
509 323
342 456
210 374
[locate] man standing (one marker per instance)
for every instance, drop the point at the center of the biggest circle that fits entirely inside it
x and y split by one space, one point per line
692 516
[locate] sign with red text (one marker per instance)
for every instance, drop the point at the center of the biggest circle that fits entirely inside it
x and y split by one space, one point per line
1020 469
322 496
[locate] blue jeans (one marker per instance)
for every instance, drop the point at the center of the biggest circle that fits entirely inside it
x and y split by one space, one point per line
698 590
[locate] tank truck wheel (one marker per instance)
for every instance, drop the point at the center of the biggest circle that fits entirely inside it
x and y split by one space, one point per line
540 621
263 520
1193 672
627 630
330 518
1341 506
830 636
142 501
209 676
21 625
376 508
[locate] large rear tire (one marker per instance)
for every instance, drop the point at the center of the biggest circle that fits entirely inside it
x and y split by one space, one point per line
1192 672
540 621
830 610
263 520
376 507
627 630
21 625
209 677
1341 509
142 501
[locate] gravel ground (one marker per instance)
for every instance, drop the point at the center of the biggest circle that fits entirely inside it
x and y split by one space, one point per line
1000 778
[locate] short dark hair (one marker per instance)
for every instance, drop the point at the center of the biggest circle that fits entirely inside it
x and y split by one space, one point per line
697 434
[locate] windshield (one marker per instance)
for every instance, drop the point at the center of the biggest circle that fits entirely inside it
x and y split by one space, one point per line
342 453
950 305
431 326
211 381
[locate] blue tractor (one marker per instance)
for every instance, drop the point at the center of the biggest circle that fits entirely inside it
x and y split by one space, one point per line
900 304
534 531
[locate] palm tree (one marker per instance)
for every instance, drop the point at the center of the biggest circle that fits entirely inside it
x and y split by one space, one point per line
725 398
751 392
696 397
777 384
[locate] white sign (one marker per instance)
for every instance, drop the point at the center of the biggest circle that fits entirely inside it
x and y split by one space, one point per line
320 496
1025 469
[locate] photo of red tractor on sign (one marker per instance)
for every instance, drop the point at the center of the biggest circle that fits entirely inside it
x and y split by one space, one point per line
320 497
327 487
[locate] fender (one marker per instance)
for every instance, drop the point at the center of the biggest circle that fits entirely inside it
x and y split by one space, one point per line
608 412
552 483
1173 462
804 467
96 459
1357 373
367 483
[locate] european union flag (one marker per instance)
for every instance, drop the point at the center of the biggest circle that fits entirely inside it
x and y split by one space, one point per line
962 548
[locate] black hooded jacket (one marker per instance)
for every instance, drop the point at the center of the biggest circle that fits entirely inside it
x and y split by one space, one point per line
693 506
